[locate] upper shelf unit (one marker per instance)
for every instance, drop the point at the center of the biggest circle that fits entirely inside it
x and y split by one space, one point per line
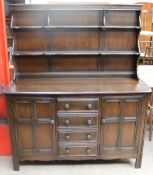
88 18
75 40
75 29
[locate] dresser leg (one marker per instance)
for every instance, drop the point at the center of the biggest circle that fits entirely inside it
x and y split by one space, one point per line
138 161
150 127
15 164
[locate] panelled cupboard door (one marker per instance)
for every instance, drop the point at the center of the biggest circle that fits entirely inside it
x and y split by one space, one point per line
120 123
34 124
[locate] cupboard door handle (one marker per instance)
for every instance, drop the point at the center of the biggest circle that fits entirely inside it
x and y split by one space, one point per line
89 106
67 137
67 122
89 136
66 106
89 122
104 121
88 150
52 121
67 150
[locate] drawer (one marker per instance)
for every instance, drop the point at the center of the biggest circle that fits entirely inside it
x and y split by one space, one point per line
77 119
78 135
78 104
78 150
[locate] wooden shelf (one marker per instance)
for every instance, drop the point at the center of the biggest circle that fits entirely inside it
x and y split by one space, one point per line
120 53
75 27
77 74
120 27
47 53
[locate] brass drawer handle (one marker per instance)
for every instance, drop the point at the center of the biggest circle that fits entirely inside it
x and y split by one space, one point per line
89 136
67 122
67 137
66 106
88 150
89 106
89 122
67 150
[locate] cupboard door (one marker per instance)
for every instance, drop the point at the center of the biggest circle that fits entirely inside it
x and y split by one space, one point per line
121 116
34 124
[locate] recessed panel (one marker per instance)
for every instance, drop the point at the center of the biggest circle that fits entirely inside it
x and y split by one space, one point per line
23 110
74 63
31 64
120 39
24 136
33 40
30 18
131 108
43 110
119 63
112 108
76 40
74 17
109 136
122 18
128 134
44 136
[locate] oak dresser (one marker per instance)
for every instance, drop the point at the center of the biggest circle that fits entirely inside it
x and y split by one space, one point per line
76 94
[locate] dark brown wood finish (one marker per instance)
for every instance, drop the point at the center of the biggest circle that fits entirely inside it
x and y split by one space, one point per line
76 95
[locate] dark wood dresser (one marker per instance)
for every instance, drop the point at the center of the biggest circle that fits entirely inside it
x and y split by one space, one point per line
76 95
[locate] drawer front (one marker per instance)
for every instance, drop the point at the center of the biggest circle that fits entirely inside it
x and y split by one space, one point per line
78 151
70 120
78 135
78 104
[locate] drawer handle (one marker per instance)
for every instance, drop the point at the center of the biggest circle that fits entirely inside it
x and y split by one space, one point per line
88 150
67 137
66 106
89 122
89 106
89 136
67 122
67 150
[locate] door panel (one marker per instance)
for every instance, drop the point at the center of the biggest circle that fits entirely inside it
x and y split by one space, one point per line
34 123
130 108
112 108
128 134
22 109
120 124
44 109
44 135
25 136
111 140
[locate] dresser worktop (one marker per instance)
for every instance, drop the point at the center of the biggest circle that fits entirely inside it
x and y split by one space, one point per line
77 86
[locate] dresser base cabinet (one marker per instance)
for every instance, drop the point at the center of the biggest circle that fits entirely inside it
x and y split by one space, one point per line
77 127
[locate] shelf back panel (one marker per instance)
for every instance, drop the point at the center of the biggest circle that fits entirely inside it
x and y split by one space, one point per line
74 18
76 40
122 18
75 63
30 18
